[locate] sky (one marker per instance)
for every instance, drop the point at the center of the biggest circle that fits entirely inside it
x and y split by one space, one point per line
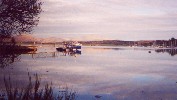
108 19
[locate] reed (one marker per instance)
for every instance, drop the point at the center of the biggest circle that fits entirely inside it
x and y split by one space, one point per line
33 91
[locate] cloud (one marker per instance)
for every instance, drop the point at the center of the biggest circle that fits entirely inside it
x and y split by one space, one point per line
112 18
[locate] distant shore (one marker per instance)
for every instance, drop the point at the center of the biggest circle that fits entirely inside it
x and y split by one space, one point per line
171 43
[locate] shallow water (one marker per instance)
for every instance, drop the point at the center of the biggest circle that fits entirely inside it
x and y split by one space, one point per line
114 73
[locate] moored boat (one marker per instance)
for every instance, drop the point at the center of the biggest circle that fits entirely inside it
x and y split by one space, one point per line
70 46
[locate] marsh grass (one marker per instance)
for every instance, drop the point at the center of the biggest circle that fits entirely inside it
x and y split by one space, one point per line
33 91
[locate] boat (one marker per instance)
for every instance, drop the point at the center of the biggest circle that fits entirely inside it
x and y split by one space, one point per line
70 46
76 45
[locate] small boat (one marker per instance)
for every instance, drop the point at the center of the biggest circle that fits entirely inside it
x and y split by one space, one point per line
76 45
69 46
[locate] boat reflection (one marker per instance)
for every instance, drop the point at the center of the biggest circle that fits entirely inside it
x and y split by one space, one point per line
172 52
71 53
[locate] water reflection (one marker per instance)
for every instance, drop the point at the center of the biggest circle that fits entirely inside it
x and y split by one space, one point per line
8 58
172 52
44 55
55 54
71 53
106 74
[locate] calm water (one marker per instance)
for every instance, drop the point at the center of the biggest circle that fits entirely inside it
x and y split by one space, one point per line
110 72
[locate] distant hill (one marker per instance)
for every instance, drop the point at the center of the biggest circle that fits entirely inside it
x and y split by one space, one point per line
28 38
51 40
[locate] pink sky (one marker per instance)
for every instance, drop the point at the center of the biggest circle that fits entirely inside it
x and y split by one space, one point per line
108 19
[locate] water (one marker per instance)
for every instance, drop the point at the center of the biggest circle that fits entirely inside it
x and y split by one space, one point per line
114 73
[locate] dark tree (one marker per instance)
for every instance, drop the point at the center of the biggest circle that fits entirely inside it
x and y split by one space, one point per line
18 16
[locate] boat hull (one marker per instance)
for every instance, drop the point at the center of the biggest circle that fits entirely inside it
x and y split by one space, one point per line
61 49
